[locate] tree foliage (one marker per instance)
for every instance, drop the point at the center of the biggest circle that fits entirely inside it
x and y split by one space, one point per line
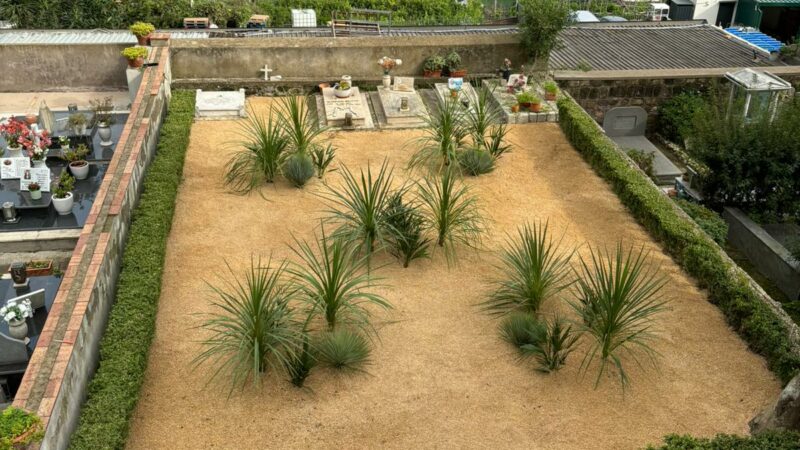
540 23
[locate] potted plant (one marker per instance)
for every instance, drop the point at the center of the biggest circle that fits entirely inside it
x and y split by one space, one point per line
77 122
103 118
15 312
525 99
142 31
453 61
77 164
13 131
36 146
39 267
433 67
135 56
35 190
550 90
343 88
387 64
64 141
536 104
63 199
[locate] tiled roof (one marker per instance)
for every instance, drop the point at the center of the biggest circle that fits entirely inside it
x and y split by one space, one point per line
651 45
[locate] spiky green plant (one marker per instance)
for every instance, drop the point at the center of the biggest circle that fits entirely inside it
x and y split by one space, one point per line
322 158
334 279
496 143
452 211
300 364
534 269
298 169
261 158
620 296
482 116
344 349
551 345
445 131
406 234
359 206
300 126
521 328
475 161
253 328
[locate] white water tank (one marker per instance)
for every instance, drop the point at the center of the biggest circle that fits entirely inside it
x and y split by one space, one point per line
304 18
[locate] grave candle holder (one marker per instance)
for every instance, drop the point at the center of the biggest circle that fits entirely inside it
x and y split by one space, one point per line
10 213
404 104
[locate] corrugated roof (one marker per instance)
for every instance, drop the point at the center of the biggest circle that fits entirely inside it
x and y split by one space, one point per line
669 46
98 36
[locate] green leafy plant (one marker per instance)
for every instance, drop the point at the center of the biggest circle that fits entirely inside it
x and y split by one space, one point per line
344 349
253 328
141 29
619 297
550 344
300 364
540 23
526 98
534 270
102 111
496 144
643 159
550 87
299 124
263 154
452 211
521 328
483 118
78 154
710 221
476 161
359 206
767 440
453 60
434 63
335 281
64 186
77 120
132 53
19 428
675 116
794 249
322 158
405 230
445 130
298 168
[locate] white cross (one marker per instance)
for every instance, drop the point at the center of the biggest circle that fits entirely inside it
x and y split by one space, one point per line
266 71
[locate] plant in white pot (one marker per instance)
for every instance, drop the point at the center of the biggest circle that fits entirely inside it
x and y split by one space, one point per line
343 88
103 118
13 130
77 162
35 190
15 312
64 141
36 145
77 122
63 199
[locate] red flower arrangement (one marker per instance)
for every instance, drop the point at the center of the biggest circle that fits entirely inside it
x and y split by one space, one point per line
14 131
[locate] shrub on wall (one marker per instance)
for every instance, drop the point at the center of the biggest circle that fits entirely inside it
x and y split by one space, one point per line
19 428
676 114
710 221
772 440
114 390
727 287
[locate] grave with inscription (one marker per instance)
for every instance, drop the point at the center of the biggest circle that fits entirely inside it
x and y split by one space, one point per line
340 110
401 104
220 105
465 93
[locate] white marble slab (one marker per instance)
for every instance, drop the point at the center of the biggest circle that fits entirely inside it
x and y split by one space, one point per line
390 102
336 108
220 105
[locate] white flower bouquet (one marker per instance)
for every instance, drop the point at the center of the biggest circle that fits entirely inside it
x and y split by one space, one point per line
16 310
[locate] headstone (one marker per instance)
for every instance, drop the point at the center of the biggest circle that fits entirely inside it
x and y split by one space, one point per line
403 84
517 81
625 121
336 109
402 108
220 105
266 71
47 120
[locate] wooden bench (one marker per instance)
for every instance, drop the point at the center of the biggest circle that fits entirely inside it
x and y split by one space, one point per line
350 27
258 21
196 23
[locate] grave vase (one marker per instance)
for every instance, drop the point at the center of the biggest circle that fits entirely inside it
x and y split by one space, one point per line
387 81
36 195
39 163
18 329
14 152
63 206
104 131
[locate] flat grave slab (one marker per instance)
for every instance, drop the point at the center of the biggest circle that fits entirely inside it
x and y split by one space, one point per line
219 105
505 101
467 93
391 100
337 108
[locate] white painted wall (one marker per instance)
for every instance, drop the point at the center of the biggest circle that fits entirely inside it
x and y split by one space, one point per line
706 10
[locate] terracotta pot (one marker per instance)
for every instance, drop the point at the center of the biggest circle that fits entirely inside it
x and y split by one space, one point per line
536 107
135 63
31 119
453 94
514 108
550 96
461 73
432 74
143 40
40 271
526 105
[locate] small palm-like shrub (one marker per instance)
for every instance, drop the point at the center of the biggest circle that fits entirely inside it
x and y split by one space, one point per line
252 329
496 143
344 349
451 211
619 299
520 329
335 281
298 169
263 155
406 227
476 161
552 343
482 116
445 131
534 270
322 158
300 126
360 206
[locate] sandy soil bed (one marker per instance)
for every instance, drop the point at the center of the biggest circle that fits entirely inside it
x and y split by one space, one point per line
441 377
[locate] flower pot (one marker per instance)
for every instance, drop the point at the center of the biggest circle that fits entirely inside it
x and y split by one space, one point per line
461 73
514 108
63 206
14 152
387 81
79 130
432 73
143 40
79 169
342 93
104 131
36 195
40 271
526 105
18 329
536 107
135 63
550 96
39 163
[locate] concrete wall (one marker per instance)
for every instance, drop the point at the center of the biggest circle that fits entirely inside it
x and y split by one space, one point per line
327 58
34 67
768 255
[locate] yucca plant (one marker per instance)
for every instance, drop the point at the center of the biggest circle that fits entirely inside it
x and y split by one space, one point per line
496 143
263 155
445 131
300 364
482 116
553 342
534 269
359 206
322 158
620 296
253 328
298 168
476 161
521 328
300 126
344 349
334 279
406 230
452 211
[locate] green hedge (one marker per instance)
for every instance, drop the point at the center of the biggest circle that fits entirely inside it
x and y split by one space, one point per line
710 221
770 440
114 390
691 248
15 423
